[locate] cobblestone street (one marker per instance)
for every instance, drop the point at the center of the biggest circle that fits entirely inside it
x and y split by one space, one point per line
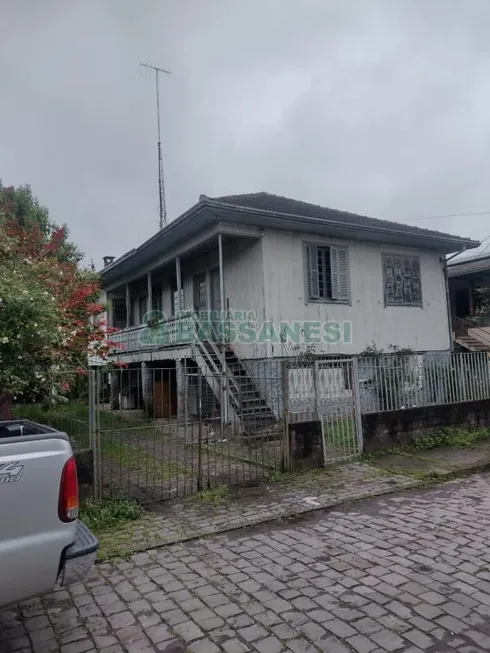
409 573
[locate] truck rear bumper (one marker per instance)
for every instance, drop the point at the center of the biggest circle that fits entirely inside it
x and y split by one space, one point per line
79 558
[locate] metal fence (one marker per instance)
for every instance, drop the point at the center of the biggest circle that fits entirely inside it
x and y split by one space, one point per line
394 382
68 407
163 432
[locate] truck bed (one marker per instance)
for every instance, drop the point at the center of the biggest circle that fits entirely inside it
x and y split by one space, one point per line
33 538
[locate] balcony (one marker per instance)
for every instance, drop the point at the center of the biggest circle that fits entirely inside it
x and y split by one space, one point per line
176 331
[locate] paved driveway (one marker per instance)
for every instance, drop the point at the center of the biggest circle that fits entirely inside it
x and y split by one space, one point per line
407 574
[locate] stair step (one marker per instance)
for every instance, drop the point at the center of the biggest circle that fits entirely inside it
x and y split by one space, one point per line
252 400
255 414
244 396
472 342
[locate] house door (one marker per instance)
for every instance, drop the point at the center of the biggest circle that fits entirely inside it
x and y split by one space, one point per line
165 393
216 303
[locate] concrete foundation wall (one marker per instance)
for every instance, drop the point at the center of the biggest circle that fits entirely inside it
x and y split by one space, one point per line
400 427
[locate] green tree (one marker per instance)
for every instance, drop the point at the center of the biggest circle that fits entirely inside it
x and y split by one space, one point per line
21 206
51 319
482 308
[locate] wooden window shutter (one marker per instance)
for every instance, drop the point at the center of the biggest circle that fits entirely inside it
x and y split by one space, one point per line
340 274
389 279
312 271
416 282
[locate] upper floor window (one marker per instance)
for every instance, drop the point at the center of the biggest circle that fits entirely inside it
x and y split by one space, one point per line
328 273
402 280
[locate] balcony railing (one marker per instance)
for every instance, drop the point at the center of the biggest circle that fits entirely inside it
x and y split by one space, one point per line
179 330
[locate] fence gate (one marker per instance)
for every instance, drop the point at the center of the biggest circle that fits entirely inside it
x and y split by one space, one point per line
336 392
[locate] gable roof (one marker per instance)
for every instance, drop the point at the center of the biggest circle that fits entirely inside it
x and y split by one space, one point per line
273 211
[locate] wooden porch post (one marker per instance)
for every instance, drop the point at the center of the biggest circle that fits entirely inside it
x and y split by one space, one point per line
179 284
224 380
149 307
128 306
221 281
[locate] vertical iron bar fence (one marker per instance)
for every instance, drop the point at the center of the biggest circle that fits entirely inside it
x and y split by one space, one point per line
395 382
163 432
67 406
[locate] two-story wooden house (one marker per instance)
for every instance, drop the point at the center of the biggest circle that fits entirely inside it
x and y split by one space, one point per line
244 279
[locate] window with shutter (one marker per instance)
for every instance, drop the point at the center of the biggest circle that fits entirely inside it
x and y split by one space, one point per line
327 273
402 282
312 271
340 274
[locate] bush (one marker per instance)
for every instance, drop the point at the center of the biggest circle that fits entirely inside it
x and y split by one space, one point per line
102 515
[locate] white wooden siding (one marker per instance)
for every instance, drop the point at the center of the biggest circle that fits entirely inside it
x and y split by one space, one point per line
244 287
268 277
244 284
422 329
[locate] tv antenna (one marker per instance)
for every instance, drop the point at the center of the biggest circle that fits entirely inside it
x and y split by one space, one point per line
161 183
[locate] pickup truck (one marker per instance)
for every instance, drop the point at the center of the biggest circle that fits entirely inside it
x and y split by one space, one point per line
42 542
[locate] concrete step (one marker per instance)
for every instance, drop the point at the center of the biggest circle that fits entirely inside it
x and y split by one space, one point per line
471 343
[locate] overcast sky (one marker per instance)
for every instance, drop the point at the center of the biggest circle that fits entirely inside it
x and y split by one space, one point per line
378 107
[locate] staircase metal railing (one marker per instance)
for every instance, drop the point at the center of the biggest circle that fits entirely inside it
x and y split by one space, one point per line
221 371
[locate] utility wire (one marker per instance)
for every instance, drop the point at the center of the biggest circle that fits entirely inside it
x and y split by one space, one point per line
449 215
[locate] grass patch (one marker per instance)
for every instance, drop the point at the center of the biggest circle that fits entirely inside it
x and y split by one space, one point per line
445 437
277 476
136 458
341 434
419 474
215 496
449 437
73 418
122 527
110 514
259 453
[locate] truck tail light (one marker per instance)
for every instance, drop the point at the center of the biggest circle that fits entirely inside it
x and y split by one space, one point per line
68 504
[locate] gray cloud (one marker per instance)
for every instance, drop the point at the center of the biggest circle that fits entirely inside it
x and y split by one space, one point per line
373 106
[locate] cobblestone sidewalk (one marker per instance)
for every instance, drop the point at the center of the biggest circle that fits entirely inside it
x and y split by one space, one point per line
405 574
179 521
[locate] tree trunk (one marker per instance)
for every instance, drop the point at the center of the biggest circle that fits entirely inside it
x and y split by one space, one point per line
6 403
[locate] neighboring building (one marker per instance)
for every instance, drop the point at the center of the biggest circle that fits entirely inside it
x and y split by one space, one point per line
346 280
468 272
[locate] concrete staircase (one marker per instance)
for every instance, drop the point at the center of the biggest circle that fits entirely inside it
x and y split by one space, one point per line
468 336
471 344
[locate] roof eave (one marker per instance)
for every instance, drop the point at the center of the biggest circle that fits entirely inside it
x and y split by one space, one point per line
163 233
444 243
